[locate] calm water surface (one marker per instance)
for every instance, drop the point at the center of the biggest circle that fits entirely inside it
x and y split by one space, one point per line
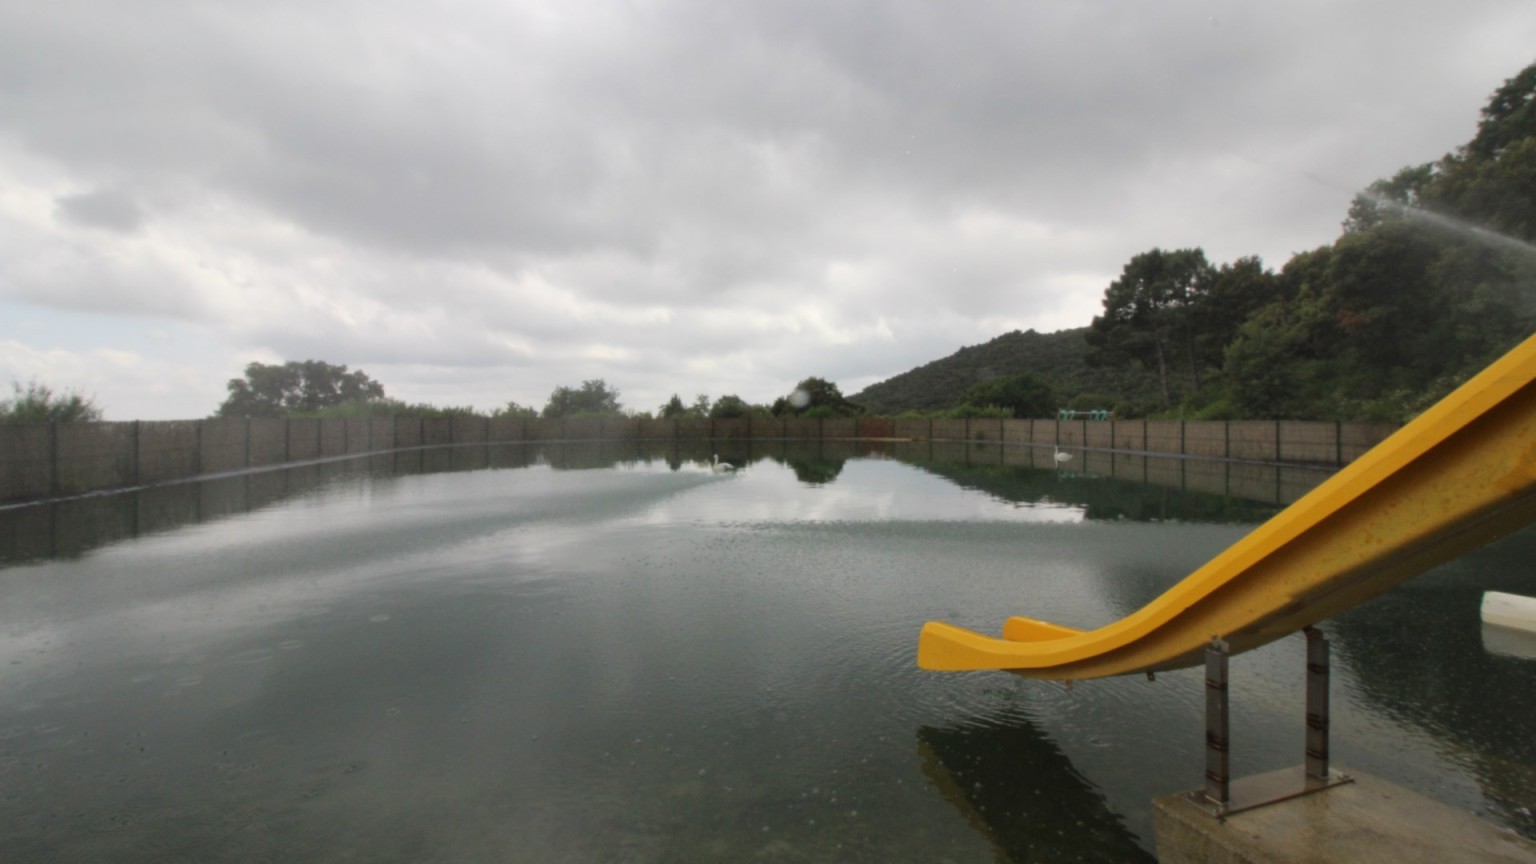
596 654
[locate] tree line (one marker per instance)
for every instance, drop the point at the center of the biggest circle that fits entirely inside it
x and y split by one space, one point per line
315 388
1432 277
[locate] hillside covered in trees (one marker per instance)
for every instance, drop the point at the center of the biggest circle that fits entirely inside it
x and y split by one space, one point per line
1058 359
1432 277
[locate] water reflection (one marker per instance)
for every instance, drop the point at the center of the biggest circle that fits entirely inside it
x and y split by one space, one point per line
1101 497
816 471
1419 656
1103 487
421 655
1014 786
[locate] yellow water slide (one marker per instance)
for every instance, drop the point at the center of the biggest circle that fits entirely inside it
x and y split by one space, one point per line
1461 475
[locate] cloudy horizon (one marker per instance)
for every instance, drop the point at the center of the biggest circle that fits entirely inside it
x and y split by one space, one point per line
478 202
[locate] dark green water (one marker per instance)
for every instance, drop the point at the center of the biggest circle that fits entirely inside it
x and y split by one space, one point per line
621 653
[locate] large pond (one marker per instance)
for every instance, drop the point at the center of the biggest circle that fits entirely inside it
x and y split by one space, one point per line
660 653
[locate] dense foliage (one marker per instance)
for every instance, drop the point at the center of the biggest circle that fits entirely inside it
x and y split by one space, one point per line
1058 360
1433 276
512 409
701 407
38 403
593 397
385 407
296 388
730 406
1016 395
815 397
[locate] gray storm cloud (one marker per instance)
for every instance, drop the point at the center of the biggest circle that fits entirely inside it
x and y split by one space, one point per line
684 196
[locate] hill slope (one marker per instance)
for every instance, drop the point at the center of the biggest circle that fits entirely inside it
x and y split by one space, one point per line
1057 358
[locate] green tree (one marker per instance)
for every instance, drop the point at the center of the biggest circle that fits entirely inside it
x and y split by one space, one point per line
1508 118
1277 366
1388 309
38 403
512 409
1228 296
1150 318
1018 395
1389 199
729 406
593 397
1496 194
293 387
816 395
674 407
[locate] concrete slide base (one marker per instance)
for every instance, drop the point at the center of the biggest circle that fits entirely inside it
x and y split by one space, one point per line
1367 820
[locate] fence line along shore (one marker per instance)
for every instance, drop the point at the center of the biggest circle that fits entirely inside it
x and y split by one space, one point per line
50 460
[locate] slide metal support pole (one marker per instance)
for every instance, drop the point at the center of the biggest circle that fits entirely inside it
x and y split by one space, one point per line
1218 774
1222 796
1317 705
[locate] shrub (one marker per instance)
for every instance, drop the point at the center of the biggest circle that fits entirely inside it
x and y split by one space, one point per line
37 403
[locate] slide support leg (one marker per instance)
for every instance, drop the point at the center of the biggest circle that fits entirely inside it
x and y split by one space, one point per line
1222 796
1317 705
1218 774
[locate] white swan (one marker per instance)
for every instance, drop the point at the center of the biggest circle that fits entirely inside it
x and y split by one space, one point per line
1061 457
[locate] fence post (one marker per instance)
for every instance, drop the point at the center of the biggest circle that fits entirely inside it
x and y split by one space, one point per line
247 442
53 459
137 437
1277 444
1338 442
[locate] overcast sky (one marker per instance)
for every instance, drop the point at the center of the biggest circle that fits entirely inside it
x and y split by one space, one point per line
476 202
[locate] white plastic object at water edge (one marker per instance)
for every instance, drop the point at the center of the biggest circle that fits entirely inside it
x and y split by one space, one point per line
1509 610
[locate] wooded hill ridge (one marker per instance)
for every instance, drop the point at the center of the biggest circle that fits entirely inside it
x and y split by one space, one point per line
1057 359
1432 277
